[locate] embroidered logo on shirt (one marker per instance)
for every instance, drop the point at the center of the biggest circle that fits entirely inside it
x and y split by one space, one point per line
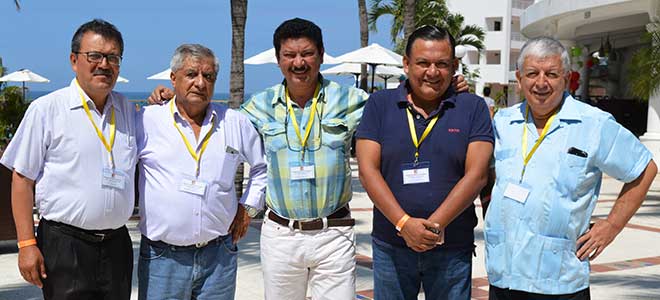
454 130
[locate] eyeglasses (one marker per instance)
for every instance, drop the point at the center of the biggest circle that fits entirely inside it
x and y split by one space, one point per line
315 139
97 57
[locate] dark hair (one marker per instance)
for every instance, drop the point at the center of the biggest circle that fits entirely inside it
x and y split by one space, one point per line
100 27
487 91
294 29
430 33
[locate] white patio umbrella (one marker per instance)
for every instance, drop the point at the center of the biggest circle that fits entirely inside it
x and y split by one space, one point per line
164 75
24 76
384 72
373 55
122 79
268 57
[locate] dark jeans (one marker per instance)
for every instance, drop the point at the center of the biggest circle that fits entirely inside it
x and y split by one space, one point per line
399 272
495 293
80 268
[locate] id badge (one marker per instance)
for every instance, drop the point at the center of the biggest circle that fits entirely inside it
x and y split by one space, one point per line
192 185
302 172
517 192
414 173
113 178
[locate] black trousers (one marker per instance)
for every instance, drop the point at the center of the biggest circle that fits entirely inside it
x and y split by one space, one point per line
495 293
83 264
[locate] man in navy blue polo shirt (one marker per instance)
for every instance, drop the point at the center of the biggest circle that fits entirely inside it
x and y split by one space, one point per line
423 153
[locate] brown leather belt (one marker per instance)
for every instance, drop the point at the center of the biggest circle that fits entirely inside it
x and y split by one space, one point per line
333 220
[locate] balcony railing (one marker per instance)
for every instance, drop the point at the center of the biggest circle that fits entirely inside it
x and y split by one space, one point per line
517 36
521 4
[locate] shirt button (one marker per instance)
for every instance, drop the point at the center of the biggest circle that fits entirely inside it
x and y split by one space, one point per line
554 251
196 214
418 116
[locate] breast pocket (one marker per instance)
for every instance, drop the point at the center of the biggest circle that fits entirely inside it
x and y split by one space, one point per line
227 174
504 164
274 136
572 172
335 133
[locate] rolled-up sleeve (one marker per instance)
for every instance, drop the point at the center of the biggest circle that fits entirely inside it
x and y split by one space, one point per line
620 154
253 150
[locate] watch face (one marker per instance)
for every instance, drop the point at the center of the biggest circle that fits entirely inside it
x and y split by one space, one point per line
251 211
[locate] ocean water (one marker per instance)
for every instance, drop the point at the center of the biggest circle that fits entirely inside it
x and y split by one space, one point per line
136 96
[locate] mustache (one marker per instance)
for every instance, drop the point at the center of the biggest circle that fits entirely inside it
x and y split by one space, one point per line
102 72
300 69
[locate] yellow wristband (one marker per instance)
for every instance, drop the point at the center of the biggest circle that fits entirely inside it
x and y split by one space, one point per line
25 243
401 222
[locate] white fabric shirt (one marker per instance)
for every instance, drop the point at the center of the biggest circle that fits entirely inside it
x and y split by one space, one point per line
57 147
180 218
489 101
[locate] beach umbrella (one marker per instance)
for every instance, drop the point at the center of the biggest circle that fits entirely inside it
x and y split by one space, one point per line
164 75
373 55
122 79
24 76
384 72
268 57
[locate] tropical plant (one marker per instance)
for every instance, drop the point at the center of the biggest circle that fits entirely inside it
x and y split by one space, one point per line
645 80
12 109
237 76
427 12
364 39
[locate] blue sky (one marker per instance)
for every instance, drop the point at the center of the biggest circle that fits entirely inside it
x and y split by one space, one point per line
39 36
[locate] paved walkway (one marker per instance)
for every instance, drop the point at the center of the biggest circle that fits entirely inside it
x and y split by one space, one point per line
628 269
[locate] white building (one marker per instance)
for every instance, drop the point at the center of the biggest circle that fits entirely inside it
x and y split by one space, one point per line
497 62
613 26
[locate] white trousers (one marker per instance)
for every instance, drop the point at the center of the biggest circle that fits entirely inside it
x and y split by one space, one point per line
293 259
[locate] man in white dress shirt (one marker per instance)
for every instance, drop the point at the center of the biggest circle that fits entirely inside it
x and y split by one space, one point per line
189 150
76 148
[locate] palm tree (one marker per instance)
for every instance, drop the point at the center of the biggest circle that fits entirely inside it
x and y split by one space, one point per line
645 80
237 76
408 18
427 12
364 39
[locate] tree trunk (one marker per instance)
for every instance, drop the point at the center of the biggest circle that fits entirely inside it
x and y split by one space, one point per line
408 19
237 77
364 40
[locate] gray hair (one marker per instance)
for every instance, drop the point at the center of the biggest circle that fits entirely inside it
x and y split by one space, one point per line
545 47
192 50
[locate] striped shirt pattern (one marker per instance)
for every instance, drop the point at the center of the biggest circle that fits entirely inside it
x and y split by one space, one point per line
339 110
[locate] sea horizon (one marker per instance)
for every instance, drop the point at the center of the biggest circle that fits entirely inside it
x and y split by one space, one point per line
134 96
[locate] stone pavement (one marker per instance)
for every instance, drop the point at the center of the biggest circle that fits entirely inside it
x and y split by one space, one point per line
628 269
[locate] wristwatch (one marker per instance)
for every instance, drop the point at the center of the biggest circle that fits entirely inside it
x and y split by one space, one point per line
251 211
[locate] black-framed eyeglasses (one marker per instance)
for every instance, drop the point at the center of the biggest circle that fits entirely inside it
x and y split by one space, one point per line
315 137
94 57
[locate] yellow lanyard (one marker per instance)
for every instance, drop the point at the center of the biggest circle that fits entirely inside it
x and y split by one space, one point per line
195 155
413 132
527 157
310 120
113 128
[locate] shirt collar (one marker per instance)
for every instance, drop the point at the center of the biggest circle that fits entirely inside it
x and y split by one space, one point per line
280 94
403 90
74 100
209 116
569 110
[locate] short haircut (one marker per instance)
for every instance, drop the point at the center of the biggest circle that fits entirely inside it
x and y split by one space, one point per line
545 47
487 91
100 27
194 51
294 29
430 33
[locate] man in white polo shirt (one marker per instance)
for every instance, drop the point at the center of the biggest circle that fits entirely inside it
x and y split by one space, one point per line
189 150
76 149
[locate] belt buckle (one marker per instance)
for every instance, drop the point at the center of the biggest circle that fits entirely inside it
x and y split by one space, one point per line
101 236
202 244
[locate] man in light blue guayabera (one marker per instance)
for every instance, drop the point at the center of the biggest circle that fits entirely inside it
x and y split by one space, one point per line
550 154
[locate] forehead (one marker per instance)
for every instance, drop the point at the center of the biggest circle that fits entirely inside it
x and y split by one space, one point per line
542 62
195 62
301 43
96 41
431 49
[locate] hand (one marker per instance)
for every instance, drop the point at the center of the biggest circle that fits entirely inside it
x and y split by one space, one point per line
239 226
596 239
419 238
460 84
160 95
31 265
